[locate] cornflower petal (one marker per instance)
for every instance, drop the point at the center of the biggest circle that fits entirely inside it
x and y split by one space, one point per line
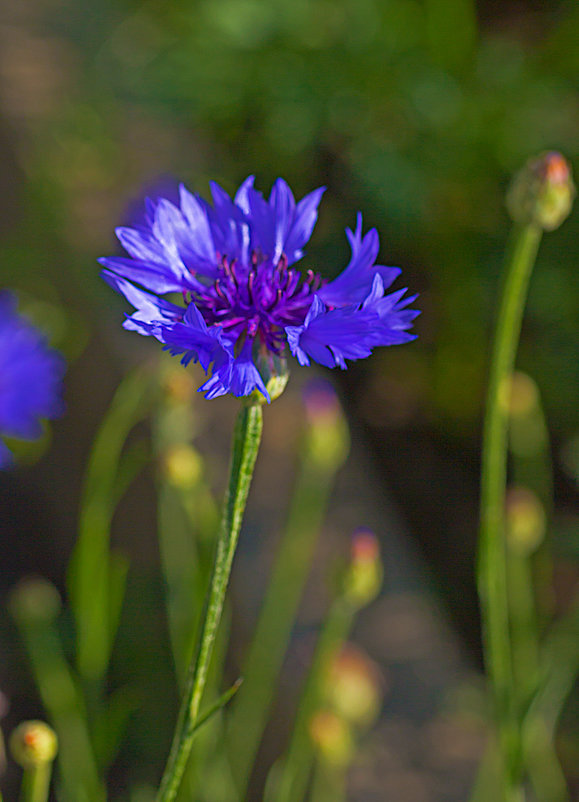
151 309
30 377
242 195
245 377
6 458
195 340
305 217
355 281
329 336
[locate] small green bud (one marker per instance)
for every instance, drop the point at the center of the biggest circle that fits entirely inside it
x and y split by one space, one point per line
328 439
183 466
542 192
354 687
526 521
179 385
332 737
34 600
33 743
363 576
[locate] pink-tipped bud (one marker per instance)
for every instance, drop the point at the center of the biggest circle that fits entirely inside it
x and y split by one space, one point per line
354 687
327 438
332 738
33 743
542 192
364 574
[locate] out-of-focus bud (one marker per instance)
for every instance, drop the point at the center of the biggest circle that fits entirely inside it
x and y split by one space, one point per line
328 437
332 737
363 576
542 192
520 397
525 520
354 687
183 466
179 385
34 600
33 743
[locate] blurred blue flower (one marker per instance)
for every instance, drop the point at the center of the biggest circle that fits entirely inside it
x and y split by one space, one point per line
30 378
232 263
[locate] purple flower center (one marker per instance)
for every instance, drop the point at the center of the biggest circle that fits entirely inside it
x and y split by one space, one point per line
259 300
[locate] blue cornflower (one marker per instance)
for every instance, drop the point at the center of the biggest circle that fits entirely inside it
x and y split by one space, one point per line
243 301
30 378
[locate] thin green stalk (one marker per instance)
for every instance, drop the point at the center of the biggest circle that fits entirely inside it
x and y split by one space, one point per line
297 765
36 783
187 522
559 668
97 577
492 565
329 783
524 627
290 571
59 693
245 448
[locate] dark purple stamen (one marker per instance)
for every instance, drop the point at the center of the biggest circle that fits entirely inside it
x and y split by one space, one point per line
259 300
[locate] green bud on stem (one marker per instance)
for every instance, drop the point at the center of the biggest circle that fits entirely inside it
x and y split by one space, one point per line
33 743
542 192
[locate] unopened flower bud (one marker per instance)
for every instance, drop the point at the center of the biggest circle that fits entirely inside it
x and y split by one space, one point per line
353 688
183 466
179 385
35 600
521 399
525 520
33 743
542 192
521 395
332 737
328 437
363 578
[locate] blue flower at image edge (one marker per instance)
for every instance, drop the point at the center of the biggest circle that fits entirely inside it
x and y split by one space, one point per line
232 264
30 378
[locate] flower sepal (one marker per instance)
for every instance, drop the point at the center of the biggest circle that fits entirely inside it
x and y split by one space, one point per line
275 374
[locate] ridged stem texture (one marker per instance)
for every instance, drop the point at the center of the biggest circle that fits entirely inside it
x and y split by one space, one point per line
492 563
246 442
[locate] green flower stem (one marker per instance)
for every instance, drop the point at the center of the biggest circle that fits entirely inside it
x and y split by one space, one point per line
492 564
36 783
297 765
290 571
245 447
